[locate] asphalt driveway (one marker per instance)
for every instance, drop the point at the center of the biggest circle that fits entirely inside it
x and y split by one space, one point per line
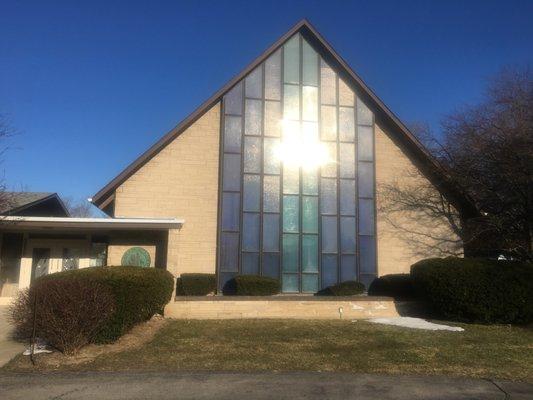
8 347
296 385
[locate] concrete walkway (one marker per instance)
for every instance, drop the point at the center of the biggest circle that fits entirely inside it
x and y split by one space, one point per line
8 347
295 385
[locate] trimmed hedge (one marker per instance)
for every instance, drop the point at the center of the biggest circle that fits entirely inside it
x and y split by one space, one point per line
399 286
476 290
195 284
346 288
254 285
138 293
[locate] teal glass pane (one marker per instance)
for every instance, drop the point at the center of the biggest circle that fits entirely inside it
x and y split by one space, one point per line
250 264
232 134
309 182
273 118
328 196
271 158
253 84
348 235
291 180
346 124
271 193
250 232
270 232
346 96
233 100
366 179
310 103
232 172
290 253
252 154
310 214
273 76
329 270
347 200
290 213
367 254
330 168
310 283
328 115
328 84
251 192
310 253
329 234
365 143
291 102
291 60
289 283
271 265
366 216
253 117
347 160
310 65
364 115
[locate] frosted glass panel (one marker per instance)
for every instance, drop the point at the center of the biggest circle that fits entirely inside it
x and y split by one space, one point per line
310 214
232 172
273 118
253 118
328 88
346 124
271 232
232 134
329 234
271 193
230 211
309 182
367 258
291 180
366 216
347 200
250 232
328 196
289 283
309 283
348 235
251 193
366 179
330 168
346 96
273 76
329 270
328 123
310 253
347 160
310 131
290 213
365 144
310 103
290 253
233 100
291 103
250 263
310 65
271 159
348 269
254 83
229 252
271 265
364 115
252 154
291 60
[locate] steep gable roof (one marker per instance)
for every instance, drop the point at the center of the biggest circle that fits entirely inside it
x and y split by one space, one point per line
32 204
384 116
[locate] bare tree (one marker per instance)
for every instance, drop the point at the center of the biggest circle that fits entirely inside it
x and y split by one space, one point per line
79 208
486 152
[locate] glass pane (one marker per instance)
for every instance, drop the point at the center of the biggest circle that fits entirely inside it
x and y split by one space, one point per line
291 60
364 115
290 253
271 193
252 154
365 143
230 211
291 102
253 84
329 270
366 216
347 193
273 76
233 100
290 213
310 131
251 193
347 160
250 263
250 231
310 214
328 84
346 97
367 258
310 65
366 179
348 235
328 115
310 253
232 172
330 168
224 278
271 265
273 118
270 232
367 279
329 234
346 124
310 283
328 196
290 283
348 271
310 103
291 180
309 182
271 158
253 118
229 252
232 134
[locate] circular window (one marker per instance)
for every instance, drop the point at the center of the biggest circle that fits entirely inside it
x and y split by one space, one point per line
137 257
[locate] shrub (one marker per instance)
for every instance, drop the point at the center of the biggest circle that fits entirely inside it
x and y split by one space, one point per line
254 285
346 288
476 290
69 313
399 286
195 284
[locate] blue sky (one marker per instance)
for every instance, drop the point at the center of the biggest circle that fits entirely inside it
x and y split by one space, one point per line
91 85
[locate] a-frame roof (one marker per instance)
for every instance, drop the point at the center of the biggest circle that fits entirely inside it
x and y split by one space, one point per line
33 204
384 117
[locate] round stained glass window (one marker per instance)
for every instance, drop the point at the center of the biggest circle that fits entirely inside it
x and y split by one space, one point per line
137 257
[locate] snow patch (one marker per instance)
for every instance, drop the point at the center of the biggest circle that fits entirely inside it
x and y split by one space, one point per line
415 323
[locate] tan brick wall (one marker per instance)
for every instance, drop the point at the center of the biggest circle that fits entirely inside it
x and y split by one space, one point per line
396 249
181 181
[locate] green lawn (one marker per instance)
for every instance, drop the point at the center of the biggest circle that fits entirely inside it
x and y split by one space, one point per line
277 345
